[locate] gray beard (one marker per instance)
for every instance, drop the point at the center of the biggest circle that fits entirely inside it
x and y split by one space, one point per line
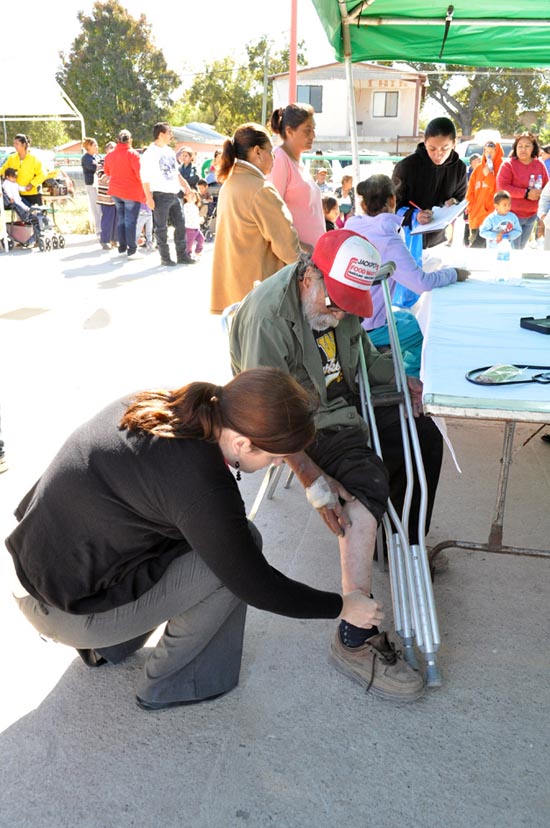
317 321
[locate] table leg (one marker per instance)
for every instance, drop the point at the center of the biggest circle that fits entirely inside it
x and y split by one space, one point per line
494 543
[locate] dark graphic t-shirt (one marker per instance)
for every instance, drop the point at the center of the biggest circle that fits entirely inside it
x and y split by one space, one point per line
334 379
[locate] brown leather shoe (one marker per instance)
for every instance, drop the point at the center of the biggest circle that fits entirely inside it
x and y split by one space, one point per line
378 667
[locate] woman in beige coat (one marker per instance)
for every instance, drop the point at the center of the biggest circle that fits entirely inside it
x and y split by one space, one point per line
254 232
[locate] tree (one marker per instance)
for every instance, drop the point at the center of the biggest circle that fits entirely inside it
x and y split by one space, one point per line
229 92
43 134
115 75
492 98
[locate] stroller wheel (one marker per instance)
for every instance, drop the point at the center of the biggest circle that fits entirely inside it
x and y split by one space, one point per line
41 245
55 243
61 241
48 244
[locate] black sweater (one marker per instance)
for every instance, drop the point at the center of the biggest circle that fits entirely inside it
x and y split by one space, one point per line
114 508
429 185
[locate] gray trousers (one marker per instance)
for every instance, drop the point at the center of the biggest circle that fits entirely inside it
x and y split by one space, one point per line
199 653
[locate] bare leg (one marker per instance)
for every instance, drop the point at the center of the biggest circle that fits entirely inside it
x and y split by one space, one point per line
357 548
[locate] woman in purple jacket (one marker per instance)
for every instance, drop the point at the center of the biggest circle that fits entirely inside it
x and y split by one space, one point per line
382 228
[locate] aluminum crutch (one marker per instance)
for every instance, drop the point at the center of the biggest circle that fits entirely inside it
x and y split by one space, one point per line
411 585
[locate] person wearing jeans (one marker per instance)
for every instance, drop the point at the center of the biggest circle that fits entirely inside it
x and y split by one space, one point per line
122 165
127 212
162 182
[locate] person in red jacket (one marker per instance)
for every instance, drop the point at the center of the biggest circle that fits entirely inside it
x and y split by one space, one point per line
523 176
122 165
481 189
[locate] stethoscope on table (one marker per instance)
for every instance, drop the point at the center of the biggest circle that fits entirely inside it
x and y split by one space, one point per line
542 376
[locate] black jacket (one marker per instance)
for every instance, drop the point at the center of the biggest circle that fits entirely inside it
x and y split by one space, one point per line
114 509
429 185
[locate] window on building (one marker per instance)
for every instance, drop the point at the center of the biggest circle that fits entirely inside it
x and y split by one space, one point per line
312 95
384 104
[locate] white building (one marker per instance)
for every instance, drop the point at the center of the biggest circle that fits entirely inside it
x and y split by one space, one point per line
387 103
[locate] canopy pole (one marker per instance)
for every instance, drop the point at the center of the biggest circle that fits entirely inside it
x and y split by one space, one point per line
293 62
346 40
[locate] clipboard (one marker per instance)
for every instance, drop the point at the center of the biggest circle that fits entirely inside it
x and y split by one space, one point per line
442 217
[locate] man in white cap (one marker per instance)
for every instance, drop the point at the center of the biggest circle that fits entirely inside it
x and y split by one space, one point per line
305 319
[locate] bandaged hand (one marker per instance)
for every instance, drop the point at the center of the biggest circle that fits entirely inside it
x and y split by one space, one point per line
325 494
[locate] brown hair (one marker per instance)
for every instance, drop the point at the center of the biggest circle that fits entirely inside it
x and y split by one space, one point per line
501 195
293 116
245 138
264 404
329 203
88 142
533 138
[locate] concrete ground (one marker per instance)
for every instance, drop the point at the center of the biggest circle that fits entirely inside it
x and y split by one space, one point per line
296 745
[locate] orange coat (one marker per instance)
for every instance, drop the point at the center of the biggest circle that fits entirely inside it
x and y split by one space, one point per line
481 189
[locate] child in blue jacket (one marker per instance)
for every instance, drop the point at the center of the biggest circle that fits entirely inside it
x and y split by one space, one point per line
501 223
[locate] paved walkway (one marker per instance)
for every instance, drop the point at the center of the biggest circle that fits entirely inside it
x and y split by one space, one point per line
296 745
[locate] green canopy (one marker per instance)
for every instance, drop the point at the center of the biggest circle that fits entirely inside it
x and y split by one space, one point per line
503 33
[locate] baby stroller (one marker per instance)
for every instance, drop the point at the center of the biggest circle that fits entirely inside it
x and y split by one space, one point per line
209 224
30 227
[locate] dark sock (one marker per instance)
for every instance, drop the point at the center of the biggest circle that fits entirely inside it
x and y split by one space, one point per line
352 636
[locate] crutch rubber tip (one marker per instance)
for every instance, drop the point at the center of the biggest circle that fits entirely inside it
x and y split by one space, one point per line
409 654
433 676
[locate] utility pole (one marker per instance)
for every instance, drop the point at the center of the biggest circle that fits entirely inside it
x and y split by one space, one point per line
264 97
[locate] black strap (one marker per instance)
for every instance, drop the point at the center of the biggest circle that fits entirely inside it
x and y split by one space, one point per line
448 21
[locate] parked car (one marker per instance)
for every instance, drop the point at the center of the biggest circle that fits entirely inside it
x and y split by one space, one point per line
476 144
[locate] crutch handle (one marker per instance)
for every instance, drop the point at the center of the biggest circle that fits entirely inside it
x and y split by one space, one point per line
384 272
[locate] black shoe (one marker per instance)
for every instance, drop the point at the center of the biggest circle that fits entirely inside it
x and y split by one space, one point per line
122 249
91 658
546 438
187 259
147 705
167 263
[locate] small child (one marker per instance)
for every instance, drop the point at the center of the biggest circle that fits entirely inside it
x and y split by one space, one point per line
11 190
193 222
331 211
145 223
207 205
501 223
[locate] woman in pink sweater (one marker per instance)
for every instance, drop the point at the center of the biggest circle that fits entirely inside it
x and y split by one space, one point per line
523 176
302 196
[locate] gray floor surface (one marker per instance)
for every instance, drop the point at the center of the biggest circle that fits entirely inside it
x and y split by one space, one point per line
296 745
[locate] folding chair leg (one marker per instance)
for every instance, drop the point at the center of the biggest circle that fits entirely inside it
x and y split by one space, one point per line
262 491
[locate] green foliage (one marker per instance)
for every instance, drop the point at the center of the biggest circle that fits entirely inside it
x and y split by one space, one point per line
229 92
42 134
491 99
115 75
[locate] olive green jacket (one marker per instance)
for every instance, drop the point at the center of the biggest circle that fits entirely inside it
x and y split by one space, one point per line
269 329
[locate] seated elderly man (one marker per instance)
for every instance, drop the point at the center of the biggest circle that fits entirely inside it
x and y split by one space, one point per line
305 319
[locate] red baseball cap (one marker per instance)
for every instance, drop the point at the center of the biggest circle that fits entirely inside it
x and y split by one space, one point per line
349 263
